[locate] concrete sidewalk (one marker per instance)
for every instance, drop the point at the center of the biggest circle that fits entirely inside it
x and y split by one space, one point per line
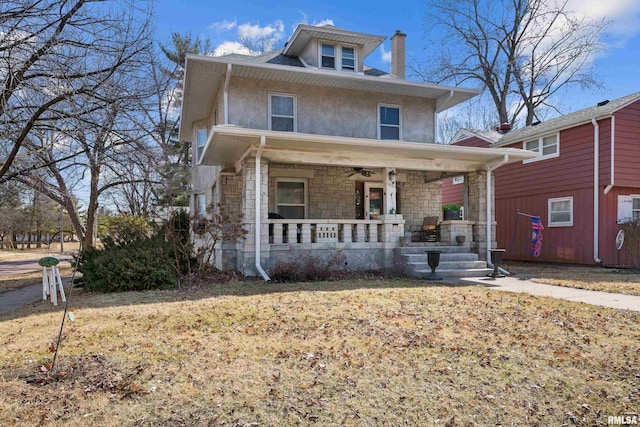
514 284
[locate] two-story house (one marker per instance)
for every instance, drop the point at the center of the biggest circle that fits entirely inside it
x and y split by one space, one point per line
583 182
322 154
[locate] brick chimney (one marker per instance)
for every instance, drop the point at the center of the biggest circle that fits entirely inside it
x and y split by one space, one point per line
397 54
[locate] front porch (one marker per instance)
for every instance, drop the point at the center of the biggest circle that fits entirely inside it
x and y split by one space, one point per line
320 196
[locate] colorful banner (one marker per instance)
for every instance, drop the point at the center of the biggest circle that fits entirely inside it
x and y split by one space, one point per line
536 236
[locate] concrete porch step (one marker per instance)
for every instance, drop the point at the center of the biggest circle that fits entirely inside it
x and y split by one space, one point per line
444 257
406 250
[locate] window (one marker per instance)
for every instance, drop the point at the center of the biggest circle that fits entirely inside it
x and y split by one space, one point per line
547 147
202 140
200 204
561 212
389 122
635 208
328 56
348 58
330 51
282 112
291 197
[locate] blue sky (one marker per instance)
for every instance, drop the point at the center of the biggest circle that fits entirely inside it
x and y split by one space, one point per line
618 66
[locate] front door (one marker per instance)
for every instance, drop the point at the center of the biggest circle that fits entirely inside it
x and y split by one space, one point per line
373 200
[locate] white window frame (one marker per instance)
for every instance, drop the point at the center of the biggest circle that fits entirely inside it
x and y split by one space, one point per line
200 209
540 141
337 52
399 107
633 198
200 148
306 194
295 109
551 223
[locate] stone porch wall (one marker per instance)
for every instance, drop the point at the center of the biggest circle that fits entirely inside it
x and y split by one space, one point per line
331 194
418 199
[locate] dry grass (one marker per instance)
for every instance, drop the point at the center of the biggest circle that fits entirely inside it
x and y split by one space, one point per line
362 352
18 281
582 277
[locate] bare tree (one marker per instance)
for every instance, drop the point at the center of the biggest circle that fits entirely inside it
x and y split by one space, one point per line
479 114
523 52
55 52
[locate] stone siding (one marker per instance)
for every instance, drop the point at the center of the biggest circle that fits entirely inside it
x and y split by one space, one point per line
418 199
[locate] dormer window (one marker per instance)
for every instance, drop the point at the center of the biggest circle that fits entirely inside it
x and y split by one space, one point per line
328 59
337 57
348 58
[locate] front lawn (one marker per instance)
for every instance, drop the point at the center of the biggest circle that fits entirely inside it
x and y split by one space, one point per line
361 352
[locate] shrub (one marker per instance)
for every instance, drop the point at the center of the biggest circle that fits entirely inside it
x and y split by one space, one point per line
127 228
306 268
139 265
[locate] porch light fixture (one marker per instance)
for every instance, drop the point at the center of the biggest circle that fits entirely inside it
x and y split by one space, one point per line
392 174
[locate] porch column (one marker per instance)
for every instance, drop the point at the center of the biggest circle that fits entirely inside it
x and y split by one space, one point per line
390 192
477 212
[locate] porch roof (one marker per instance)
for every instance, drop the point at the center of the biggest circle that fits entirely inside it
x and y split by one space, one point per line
228 145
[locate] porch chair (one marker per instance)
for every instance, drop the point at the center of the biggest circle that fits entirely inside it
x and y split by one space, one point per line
429 230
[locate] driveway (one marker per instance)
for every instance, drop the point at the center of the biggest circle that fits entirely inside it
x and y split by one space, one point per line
25 265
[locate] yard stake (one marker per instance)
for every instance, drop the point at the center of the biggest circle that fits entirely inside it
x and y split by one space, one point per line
64 316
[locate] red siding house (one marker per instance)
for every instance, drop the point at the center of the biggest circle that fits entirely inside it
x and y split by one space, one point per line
583 184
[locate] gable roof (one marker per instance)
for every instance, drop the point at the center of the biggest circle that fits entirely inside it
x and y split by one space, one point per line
491 136
304 33
568 120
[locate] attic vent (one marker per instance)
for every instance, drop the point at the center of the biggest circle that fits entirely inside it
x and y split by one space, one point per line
535 123
605 102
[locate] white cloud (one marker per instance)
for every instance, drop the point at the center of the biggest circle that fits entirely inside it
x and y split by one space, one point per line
223 25
228 47
385 54
255 31
323 22
305 20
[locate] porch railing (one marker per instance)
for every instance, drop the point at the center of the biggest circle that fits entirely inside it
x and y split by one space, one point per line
294 231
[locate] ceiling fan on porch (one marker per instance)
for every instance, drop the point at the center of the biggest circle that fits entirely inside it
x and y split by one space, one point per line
360 171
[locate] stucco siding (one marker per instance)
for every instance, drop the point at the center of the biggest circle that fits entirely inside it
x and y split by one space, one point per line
329 111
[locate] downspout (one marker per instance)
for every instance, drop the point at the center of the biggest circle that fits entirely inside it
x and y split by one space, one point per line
613 133
596 194
225 94
258 231
435 116
489 167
